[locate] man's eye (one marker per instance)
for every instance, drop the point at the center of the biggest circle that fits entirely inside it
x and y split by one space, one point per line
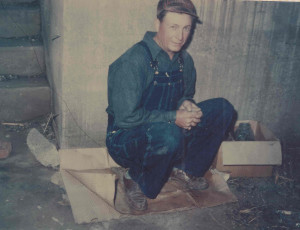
174 27
187 29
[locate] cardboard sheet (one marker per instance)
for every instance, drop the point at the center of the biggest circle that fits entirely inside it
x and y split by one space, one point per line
86 206
95 189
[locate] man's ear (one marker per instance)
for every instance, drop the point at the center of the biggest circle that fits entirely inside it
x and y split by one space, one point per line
157 25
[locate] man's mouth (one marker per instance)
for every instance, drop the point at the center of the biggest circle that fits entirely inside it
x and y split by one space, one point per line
177 44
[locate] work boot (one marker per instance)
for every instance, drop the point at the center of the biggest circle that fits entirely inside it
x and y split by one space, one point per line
136 198
188 181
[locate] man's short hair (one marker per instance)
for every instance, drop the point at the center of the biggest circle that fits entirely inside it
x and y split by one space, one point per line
161 15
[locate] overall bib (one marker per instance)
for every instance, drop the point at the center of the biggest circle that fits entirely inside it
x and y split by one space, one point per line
151 150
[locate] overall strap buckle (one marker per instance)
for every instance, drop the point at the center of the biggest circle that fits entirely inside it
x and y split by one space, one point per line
153 63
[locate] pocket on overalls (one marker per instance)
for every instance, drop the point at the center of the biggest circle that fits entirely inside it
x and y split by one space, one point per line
176 93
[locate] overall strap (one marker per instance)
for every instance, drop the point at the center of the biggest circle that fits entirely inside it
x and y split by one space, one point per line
153 63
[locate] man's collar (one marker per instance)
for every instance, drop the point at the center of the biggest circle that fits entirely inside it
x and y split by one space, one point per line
155 49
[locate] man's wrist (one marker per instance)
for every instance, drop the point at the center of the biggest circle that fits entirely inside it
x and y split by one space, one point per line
171 116
181 101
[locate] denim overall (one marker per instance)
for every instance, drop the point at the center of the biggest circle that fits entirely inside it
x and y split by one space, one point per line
151 150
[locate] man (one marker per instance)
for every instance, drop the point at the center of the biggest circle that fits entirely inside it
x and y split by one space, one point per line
155 129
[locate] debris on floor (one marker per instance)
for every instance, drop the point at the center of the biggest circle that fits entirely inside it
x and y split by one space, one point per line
5 149
43 150
65 200
289 218
57 221
42 124
224 175
57 179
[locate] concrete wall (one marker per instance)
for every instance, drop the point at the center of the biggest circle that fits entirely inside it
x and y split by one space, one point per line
53 31
247 52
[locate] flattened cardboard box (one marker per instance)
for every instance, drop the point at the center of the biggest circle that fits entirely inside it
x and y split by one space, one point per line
90 177
250 158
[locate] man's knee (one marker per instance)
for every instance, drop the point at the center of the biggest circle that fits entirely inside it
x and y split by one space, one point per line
167 137
226 106
222 105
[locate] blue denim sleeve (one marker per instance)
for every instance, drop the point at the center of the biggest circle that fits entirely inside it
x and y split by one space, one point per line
189 79
126 95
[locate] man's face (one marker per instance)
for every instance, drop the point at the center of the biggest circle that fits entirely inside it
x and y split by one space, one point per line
173 31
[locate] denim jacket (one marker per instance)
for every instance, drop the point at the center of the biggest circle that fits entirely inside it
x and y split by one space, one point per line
129 76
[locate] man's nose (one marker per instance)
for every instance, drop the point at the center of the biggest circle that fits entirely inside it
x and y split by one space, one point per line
179 35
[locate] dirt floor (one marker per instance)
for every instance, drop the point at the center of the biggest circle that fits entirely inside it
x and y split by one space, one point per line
29 200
